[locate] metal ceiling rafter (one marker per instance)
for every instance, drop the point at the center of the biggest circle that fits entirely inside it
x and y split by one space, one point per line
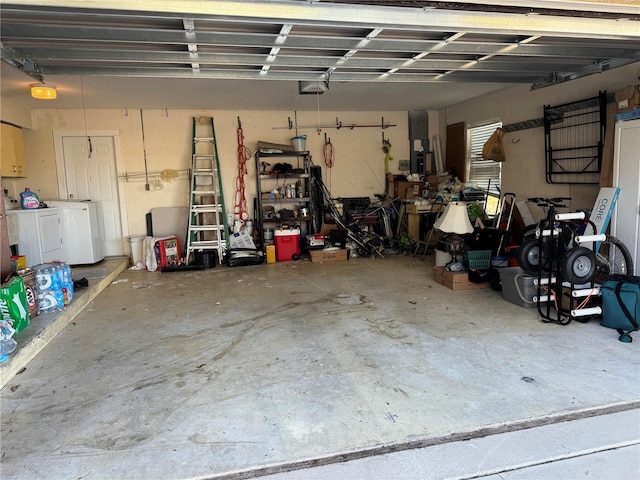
92 56
52 33
273 53
328 14
192 45
311 40
603 6
435 48
315 76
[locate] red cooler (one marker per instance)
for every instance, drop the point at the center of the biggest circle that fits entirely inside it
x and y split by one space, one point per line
287 244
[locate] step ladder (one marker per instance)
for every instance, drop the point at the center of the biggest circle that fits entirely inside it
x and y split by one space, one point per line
208 224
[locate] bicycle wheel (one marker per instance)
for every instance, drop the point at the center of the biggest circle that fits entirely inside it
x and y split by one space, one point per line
579 265
613 257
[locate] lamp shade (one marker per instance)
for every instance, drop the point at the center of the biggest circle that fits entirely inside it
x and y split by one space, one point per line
42 91
454 219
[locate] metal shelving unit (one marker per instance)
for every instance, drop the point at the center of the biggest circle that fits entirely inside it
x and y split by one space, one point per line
292 199
574 140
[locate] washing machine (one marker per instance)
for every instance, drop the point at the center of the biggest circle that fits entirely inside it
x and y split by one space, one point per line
81 235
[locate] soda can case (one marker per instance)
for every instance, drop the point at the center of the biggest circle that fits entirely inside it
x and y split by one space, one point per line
31 289
167 252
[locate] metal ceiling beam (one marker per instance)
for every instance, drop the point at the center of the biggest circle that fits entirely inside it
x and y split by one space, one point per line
604 6
61 56
315 13
49 33
254 74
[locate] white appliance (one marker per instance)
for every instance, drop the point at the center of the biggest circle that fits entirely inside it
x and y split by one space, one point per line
625 223
81 234
39 234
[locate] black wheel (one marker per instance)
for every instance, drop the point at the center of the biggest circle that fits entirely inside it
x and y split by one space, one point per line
295 256
579 265
613 257
532 257
496 281
528 232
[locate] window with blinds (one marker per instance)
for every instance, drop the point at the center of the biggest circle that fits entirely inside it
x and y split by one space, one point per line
485 174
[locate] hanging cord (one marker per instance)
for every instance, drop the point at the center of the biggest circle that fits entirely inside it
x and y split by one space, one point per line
329 154
86 128
240 209
144 152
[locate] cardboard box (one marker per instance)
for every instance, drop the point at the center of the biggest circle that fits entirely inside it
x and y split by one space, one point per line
416 209
435 180
456 280
628 98
321 256
327 227
167 252
408 189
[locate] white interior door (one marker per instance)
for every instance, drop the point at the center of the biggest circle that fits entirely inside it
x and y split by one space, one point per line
90 174
625 223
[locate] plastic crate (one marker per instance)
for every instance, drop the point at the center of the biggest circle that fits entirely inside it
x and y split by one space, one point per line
477 259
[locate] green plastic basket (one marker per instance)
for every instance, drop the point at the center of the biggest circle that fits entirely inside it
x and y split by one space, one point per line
477 259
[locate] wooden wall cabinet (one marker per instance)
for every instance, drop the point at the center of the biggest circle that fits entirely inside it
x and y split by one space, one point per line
12 162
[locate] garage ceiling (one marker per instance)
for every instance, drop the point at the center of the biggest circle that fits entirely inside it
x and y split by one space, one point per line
369 54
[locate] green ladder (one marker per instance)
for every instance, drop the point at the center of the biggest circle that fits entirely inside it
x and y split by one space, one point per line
208 224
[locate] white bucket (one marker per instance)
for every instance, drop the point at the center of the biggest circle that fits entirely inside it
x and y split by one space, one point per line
442 258
136 244
268 236
299 144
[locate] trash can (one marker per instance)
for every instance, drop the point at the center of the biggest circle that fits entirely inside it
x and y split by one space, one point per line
136 245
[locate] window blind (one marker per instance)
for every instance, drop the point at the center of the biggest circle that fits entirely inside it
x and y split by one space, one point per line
481 171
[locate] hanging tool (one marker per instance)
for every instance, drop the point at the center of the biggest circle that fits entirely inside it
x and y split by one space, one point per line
144 150
386 148
208 223
240 209
328 153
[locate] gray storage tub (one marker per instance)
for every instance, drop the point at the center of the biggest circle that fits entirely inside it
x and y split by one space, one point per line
517 286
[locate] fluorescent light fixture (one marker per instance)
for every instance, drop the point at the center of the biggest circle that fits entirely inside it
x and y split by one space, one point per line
43 91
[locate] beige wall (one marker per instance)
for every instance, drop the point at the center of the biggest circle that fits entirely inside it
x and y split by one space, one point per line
359 160
358 165
524 168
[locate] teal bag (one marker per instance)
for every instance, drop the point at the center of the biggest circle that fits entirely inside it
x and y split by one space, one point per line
621 304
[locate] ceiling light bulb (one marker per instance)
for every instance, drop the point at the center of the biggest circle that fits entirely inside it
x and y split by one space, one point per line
43 92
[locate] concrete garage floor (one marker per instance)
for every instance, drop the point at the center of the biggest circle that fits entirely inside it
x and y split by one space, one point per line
238 372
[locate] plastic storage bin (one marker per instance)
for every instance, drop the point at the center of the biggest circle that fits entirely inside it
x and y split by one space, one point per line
299 144
287 245
478 259
517 286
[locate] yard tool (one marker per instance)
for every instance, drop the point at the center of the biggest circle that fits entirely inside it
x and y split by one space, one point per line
386 148
328 153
